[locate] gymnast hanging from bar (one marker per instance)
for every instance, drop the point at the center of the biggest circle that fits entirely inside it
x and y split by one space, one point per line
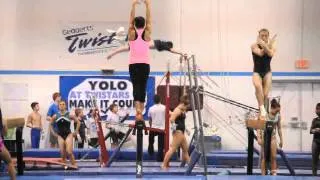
139 36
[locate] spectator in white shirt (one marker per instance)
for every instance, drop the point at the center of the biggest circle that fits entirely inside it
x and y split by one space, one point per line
156 115
117 133
92 134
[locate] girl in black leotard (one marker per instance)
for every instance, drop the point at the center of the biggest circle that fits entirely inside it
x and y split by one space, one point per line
82 130
315 130
275 123
177 119
262 51
65 136
261 64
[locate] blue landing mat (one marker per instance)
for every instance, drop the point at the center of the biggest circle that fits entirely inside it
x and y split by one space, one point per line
164 177
215 158
130 170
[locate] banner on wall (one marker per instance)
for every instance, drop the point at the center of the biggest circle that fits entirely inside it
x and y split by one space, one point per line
77 90
92 38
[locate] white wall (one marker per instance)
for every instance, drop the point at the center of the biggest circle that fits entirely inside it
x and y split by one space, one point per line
40 25
8 33
218 32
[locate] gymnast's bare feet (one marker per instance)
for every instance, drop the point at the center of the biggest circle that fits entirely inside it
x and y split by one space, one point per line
163 167
139 116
